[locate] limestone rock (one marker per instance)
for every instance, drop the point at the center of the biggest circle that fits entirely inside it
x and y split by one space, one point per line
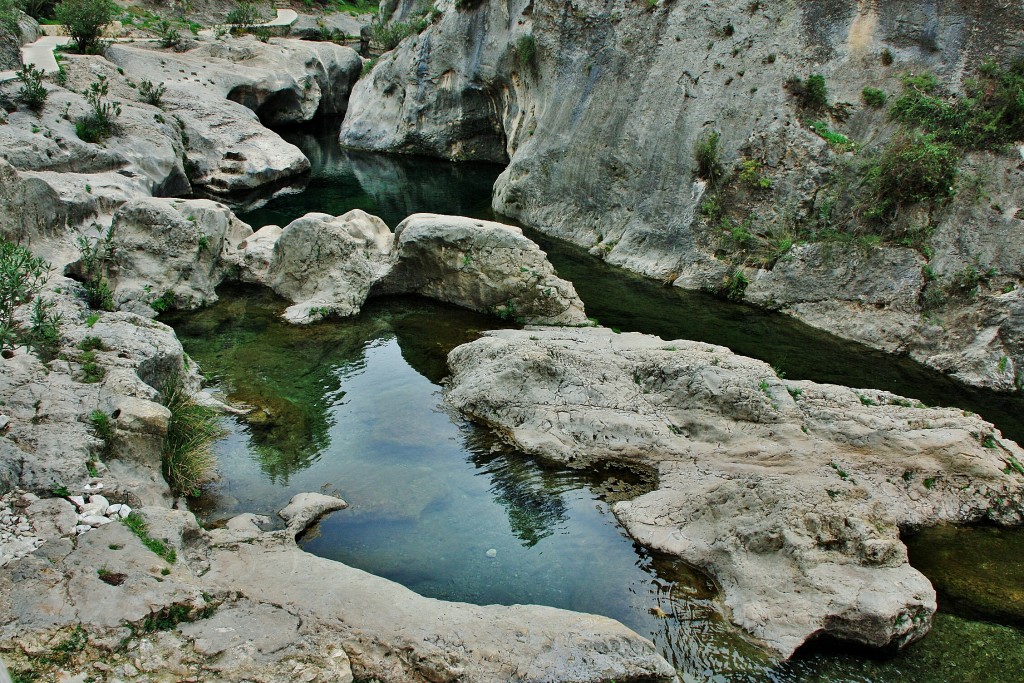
790 494
170 253
283 81
304 509
258 253
480 265
326 264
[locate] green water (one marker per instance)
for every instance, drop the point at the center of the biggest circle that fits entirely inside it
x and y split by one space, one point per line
353 407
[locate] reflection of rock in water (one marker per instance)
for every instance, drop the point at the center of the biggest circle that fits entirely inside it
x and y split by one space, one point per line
402 186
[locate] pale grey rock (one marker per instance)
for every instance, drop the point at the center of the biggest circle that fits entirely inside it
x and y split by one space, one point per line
94 520
305 509
176 251
326 264
480 265
790 494
258 253
283 81
598 120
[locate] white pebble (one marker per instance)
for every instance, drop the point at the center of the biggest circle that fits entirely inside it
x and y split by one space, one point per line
79 501
99 500
82 528
492 553
96 520
124 511
112 510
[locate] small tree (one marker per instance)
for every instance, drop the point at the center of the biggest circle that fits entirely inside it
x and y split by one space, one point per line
22 275
84 21
33 93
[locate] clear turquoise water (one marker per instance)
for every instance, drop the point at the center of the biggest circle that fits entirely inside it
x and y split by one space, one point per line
353 407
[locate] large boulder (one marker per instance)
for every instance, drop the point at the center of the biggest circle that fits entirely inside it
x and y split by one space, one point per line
480 265
170 253
282 81
326 264
790 494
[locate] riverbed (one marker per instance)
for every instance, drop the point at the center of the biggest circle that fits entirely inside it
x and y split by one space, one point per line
353 407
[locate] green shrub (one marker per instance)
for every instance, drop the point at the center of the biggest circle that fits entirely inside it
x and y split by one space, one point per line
734 288
84 21
22 276
43 335
188 459
836 141
706 156
168 34
9 10
525 51
98 124
152 94
750 174
914 167
103 429
811 94
32 91
92 264
873 97
389 34
244 14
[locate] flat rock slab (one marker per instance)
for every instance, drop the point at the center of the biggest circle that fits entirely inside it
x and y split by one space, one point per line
791 494
306 508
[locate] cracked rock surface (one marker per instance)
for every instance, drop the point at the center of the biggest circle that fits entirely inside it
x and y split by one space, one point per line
790 494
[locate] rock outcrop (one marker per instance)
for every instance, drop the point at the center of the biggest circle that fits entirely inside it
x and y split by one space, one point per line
171 251
329 265
481 265
282 81
241 604
598 110
790 494
326 264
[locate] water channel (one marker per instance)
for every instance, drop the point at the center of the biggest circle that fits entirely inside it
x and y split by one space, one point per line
353 407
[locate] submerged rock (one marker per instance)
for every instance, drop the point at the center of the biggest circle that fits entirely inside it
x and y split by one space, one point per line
790 494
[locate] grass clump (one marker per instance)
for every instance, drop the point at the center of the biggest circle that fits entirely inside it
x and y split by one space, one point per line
873 97
836 141
92 264
137 524
152 94
914 167
188 459
734 287
706 156
525 50
244 14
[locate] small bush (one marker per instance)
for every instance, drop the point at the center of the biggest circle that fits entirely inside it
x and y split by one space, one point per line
98 124
43 334
750 174
103 429
244 14
152 94
734 288
84 21
836 141
168 34
706 156
22 276
912 168
32 92
525 51
188 459
389 35
9 15
93 260
811 94
873 97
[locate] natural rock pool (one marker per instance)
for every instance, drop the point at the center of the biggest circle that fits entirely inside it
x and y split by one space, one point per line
353 407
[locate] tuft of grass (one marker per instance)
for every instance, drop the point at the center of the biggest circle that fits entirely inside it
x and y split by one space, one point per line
811 93
836 141
706 155
873 97
188 459
137 524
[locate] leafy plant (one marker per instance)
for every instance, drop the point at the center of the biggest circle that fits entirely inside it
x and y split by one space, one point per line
84 21
836 141
914 167
168 34
525 50
751 175
152 94
43 334
99 123
93 261
244 14
22 276
810 93
103 429
735 285
188 459
32 91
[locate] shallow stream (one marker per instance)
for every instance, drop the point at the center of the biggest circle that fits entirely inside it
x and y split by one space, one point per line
353 407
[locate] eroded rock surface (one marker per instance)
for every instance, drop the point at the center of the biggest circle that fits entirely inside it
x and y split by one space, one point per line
791 494
482 265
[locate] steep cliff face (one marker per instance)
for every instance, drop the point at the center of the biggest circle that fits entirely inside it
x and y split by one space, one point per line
598 109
